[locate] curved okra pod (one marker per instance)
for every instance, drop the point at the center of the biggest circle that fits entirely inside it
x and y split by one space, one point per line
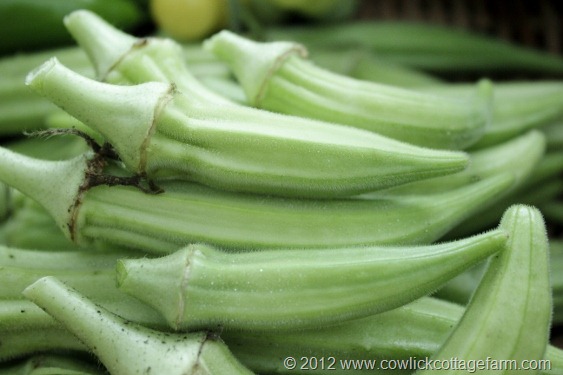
201 287
276 77
126 348
159 132
509 315
89 213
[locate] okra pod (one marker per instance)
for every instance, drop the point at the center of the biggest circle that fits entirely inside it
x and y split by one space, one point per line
518 106
554 134
292 289
161 133
523 156
276 77
425 46
509 315
126 348
361 64
5 202
541 186
52 364
414 330
186 212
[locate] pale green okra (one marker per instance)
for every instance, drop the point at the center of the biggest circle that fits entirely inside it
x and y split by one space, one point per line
126 348
161 133
186 212
200 286
417 330
276 77
509 315
52 364
518 106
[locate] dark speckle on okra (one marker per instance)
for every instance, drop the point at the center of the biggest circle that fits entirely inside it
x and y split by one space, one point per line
129 349
160 132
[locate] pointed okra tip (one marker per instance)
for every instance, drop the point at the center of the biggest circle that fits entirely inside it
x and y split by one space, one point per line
253 63
104 44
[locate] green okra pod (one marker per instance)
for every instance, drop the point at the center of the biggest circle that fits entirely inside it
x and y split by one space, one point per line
121 58
126 348
413 330
518 106
90 213
522 155
425 46
541 186
276 77
52 364
509 315
200 287
365 65
554 134
161 133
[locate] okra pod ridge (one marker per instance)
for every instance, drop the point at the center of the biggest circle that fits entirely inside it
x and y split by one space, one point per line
200 287
509 314
276 78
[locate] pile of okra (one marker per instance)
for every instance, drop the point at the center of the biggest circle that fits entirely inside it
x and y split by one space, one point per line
319 201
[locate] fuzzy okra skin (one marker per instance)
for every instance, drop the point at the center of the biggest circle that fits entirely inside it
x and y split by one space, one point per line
276 77
518 106
187 212
509 315
524 156
416 330
160 132
200 287
126 348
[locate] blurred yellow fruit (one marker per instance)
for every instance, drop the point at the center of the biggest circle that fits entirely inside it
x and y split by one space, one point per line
188 20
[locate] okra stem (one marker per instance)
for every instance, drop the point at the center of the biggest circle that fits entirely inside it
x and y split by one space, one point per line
160 132
201 287
276 77
57 182
115 57
127 348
